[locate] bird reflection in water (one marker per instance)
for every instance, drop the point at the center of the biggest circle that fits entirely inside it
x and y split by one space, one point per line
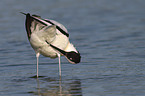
57 87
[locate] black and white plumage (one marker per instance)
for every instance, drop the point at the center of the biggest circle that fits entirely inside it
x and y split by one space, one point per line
50 38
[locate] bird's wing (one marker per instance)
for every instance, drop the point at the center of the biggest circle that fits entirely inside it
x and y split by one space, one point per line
48 22
59 27
28 22
48 33
35 24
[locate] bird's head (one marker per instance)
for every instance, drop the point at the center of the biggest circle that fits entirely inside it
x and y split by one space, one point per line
73 57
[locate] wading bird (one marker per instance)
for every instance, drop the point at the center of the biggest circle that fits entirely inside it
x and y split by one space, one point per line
50 38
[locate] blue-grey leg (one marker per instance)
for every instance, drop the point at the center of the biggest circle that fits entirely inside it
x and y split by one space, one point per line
37 56
59 65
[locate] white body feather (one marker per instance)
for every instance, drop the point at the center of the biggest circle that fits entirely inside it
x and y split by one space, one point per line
52 35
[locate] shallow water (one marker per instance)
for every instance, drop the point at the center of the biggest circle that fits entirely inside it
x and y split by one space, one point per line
108 33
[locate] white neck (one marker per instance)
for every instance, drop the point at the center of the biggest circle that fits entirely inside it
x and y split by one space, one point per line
70 47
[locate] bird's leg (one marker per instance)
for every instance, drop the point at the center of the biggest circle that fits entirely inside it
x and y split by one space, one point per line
37 56
58 57
59 64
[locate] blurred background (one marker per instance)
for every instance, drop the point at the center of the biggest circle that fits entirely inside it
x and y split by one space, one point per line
109 34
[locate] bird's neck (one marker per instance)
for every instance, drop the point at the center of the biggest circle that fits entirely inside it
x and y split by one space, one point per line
70 47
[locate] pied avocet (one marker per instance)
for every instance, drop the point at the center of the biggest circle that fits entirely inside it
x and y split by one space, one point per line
50 38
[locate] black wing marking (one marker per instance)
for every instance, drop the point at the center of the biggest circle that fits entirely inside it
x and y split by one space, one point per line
57 49
28 22
72 56
30 19
61 30
28 25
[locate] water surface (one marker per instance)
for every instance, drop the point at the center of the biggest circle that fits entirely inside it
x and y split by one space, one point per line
109 35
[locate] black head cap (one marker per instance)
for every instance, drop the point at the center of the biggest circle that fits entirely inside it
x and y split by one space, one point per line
73 57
